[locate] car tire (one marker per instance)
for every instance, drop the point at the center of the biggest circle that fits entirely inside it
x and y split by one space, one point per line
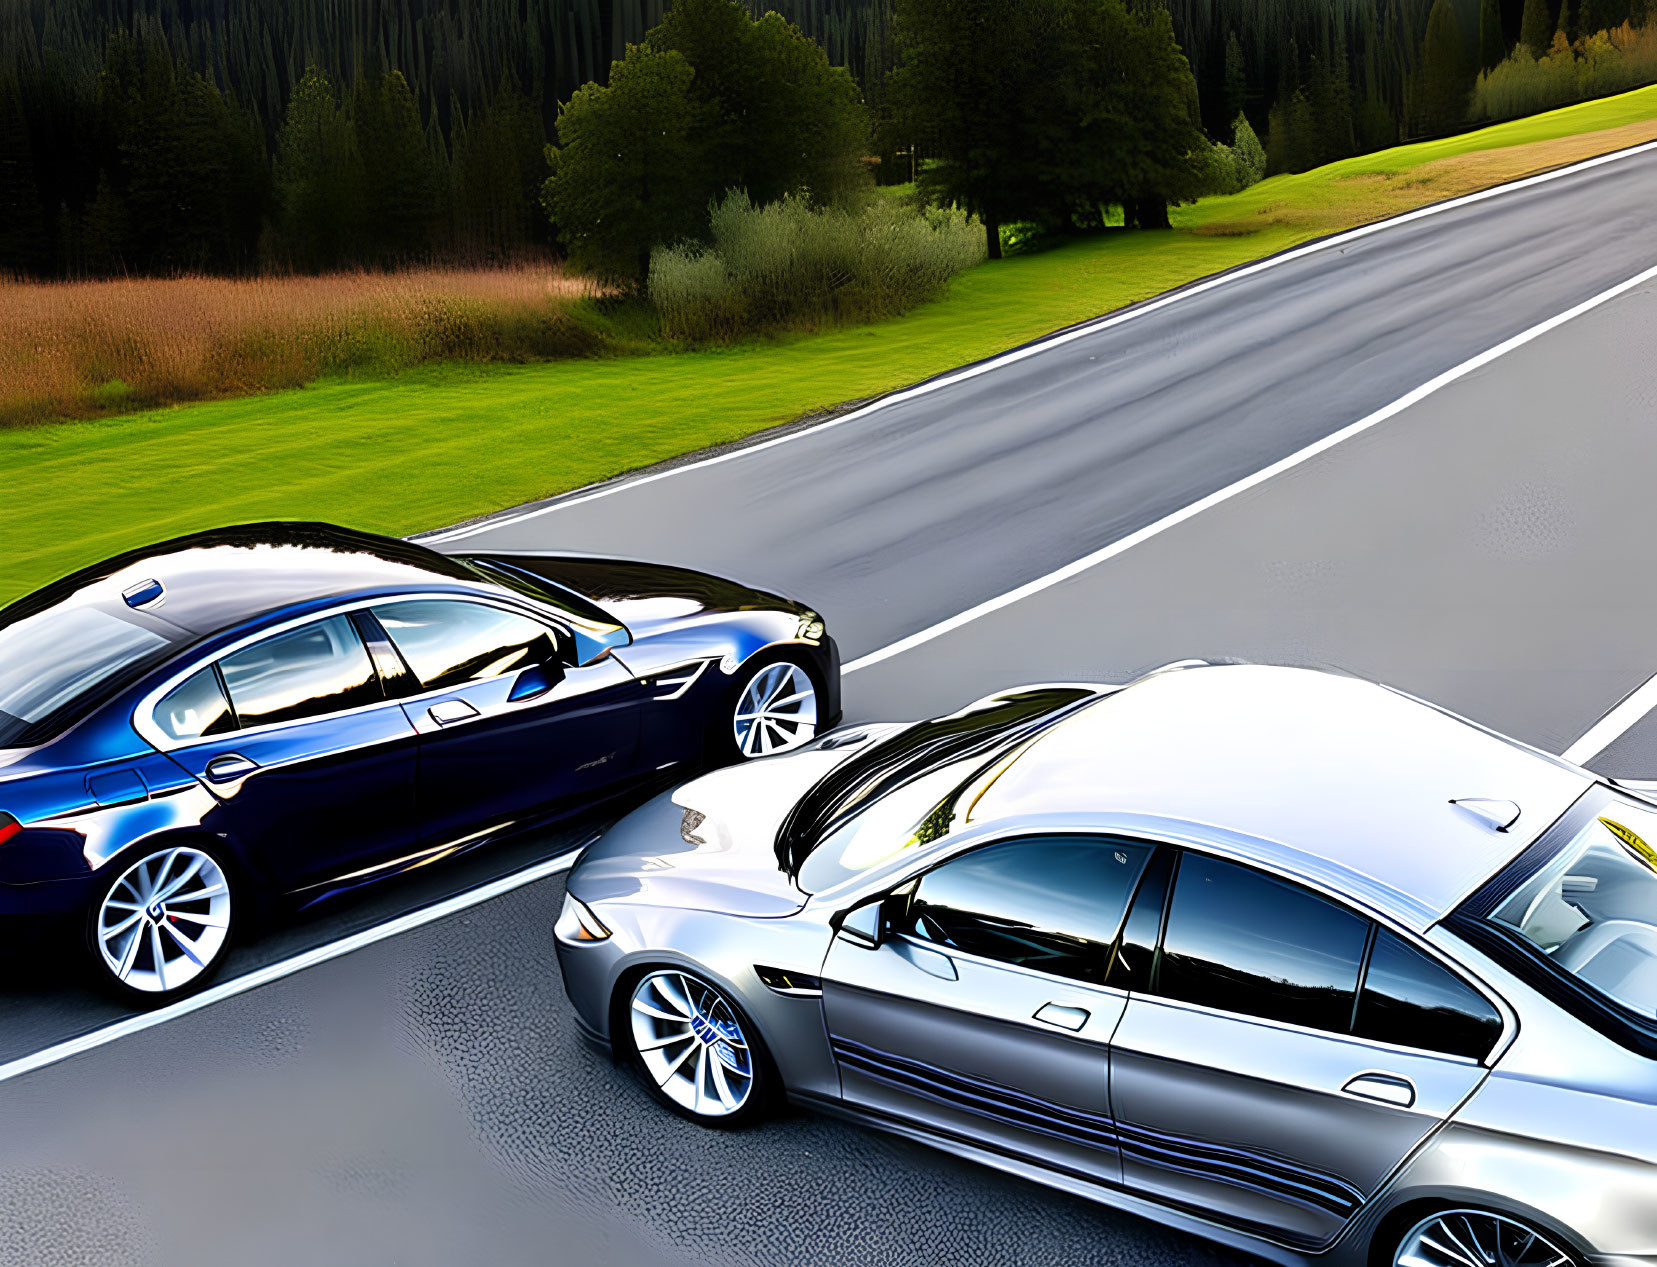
695 1049
773 707
1476 1233
161 923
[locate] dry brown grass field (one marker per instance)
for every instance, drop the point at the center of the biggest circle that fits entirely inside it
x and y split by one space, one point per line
83 348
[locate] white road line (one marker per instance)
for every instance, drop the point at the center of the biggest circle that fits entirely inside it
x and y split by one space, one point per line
1608 729
287 967
1032 349
1124 544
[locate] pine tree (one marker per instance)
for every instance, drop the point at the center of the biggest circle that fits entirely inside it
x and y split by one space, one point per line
400 192
1492 44
1567 21
1446 71
1536 27
499 165
319 178
1603 15
23 246
1236 78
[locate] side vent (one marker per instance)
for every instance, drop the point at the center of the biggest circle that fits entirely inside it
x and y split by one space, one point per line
796 984
676 681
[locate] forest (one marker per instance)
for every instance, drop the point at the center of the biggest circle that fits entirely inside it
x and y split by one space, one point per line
239 135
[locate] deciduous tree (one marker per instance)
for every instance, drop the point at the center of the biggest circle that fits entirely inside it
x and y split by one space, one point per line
627 172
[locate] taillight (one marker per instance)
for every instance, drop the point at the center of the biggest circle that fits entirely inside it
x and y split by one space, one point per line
9 827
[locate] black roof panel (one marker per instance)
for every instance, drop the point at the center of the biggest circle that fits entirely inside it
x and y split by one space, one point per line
212 580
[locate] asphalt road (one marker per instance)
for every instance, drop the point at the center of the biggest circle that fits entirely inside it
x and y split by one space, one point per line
426 1101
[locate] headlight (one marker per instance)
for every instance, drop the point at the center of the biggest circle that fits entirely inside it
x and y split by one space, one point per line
576 922
811 628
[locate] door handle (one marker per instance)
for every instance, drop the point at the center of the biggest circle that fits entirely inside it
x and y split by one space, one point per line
1057 1014
448 712
1388 1088
229 766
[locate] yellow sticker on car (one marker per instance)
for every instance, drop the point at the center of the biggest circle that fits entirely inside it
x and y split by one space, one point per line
1644 852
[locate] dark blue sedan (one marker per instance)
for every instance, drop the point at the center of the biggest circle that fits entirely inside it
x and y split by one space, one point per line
289 710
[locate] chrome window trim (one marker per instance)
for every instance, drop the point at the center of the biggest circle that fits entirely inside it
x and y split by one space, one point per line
1287 1027
851 892
143 715
939 948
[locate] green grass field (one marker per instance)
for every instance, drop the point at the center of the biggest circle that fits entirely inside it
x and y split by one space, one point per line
431 447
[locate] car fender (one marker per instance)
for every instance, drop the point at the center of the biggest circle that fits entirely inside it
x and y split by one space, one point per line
728 951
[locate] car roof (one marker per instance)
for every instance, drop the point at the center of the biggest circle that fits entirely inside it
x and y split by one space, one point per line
213 580
1339 781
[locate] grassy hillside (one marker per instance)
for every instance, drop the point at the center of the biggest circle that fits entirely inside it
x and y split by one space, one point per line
431 447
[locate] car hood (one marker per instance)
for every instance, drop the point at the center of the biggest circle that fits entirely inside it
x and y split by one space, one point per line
644 859
643 594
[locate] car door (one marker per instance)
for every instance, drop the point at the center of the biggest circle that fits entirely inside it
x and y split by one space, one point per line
1281 1054
311 765
509 729
982 1013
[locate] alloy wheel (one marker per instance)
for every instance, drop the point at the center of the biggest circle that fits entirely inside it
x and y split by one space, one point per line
691 1044
776 711
165 921
1474 1238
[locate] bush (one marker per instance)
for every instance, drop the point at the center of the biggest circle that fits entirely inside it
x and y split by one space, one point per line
789 265
1597 66
1229 169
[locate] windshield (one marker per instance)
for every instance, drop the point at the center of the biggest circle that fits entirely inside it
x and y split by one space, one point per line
1593 909
53 662
958 743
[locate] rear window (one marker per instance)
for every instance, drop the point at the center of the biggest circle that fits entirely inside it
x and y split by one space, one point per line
57 664
1593 909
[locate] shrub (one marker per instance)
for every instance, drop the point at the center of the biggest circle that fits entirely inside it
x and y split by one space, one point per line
1596 66
1229 169
789 265
1247 153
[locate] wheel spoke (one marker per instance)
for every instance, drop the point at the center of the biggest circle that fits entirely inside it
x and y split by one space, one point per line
656 1044
130 955
721 1088
184 943
677 997
159 959
110 934
205 921
673 1068
180 881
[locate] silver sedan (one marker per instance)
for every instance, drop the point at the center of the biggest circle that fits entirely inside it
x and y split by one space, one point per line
1284 958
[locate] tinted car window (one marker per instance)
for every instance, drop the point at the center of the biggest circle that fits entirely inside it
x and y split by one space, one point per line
54 659
452 643
306 672
1245 942
1410 1000
1053 903
195 708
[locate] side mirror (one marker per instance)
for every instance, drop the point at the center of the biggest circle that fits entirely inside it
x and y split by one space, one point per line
863 925
537 679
